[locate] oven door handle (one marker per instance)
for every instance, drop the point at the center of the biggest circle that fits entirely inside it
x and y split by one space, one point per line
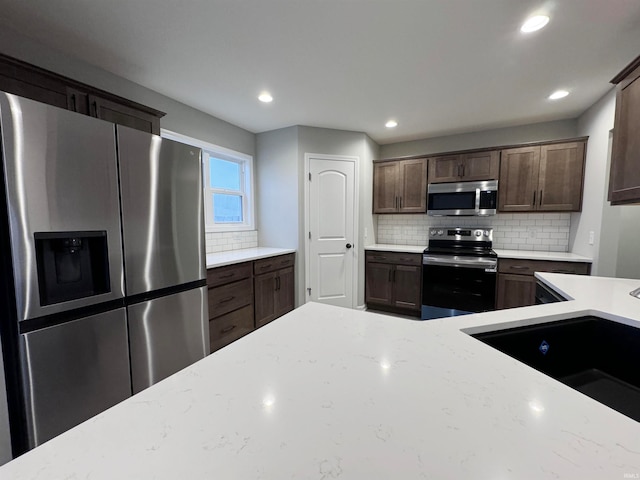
488 264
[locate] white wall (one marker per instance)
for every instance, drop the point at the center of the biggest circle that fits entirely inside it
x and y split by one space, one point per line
536 132
179 117
595 123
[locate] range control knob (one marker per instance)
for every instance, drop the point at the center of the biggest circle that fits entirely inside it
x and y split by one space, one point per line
440 232
486 233
433 233
478 233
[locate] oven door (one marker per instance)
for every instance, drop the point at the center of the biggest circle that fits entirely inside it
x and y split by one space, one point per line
457 285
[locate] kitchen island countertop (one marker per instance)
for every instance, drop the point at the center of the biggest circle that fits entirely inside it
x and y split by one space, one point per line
326 392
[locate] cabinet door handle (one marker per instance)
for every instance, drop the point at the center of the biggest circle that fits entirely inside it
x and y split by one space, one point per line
95 109
394 276
265 266
396 202
390 271
277 283
73 102
228 275
400 202
540 197
534 198
227 299
462 170
519 267
227 329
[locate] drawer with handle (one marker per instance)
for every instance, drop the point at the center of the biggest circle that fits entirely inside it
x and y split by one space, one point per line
529 267
232 296
231 273
273 263
227 328
397 258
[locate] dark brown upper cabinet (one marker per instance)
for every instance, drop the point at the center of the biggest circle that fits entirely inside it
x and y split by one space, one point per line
624 180
400 186
545 178
35 83
465 167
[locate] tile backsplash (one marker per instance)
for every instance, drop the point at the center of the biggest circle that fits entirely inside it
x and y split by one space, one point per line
223 242
547 232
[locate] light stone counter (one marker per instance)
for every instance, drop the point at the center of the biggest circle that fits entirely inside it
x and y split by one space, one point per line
520 254
243 255
383 247
534 255
325 392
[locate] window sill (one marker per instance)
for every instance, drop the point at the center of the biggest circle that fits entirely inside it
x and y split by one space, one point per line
229 228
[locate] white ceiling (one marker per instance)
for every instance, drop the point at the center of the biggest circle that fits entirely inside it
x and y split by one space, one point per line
437 66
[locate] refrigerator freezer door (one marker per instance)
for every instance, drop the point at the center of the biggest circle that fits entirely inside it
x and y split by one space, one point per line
5 437
166 335
162 211
61 176
74 371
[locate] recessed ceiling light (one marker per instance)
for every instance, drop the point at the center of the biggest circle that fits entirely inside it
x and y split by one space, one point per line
534 23
558 94
265 97
391 124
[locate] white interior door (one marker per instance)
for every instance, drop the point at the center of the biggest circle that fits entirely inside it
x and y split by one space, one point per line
331 231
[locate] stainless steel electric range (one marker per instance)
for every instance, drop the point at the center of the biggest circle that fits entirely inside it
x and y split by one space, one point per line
459 269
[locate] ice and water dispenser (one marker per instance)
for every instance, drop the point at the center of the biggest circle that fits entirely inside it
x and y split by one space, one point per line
71 265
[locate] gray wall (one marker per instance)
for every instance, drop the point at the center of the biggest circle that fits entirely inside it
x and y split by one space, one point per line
277 191
339 142
180 117
536 132
595 123
281 188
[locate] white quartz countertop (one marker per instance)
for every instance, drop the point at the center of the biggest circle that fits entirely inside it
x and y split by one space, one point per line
326 392
523 254
243 255
383 247
534 255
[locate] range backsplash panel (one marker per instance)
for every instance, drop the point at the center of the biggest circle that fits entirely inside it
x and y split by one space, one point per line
545 232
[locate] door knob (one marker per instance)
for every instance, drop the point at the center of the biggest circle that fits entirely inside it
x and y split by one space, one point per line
348 245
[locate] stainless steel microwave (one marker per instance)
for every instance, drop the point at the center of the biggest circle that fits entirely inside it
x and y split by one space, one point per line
464 198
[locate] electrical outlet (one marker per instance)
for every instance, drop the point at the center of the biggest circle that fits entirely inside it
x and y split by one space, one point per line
366 232
533 232
592 237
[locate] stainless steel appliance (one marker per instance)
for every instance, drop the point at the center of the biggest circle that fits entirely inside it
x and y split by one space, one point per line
458 272
76 324
164 254
463 198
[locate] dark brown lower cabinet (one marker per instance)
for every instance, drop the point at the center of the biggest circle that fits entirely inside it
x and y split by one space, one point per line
245 296
515 290
230 327
274 295
517 283
379 287
393 282
230 295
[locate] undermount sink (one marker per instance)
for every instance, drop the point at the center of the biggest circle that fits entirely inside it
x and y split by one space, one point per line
594 356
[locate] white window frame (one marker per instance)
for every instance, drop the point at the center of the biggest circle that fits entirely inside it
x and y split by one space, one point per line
247 183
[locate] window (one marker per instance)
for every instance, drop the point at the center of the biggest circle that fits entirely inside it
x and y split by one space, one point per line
227 186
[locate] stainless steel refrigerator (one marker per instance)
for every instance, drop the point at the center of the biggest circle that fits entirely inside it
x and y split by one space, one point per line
102 282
